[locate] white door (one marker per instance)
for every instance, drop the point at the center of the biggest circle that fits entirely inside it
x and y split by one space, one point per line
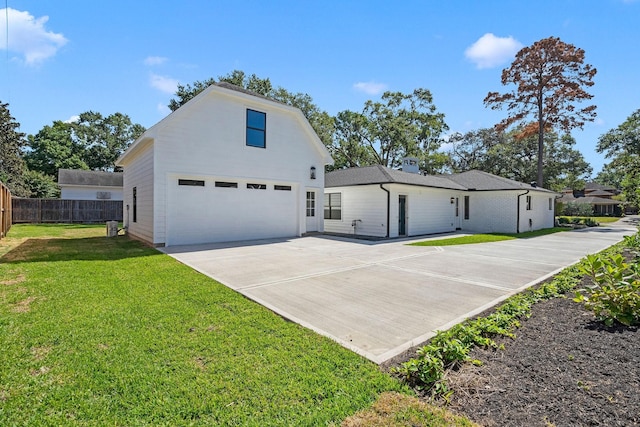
311 212
207 211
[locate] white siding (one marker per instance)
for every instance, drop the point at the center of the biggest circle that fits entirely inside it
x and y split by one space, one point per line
139 173
365 203
429 210
73 192
540 214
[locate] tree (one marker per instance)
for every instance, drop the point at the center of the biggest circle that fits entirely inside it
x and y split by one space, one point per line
321 122
386 131
622 145
92 142
41 185
550 78
511 156
11 142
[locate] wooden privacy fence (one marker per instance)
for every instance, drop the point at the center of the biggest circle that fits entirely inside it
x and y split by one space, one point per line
5 210
65 211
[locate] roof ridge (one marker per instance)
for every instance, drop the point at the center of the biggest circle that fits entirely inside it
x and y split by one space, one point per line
384 171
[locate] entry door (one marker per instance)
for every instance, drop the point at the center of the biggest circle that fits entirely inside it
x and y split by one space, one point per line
312 217
402 215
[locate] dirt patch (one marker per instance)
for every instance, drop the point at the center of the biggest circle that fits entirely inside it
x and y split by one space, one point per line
201 363
23 306
564 368
19 279
40 371
40 353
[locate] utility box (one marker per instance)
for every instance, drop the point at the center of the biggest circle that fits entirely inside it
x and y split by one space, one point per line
112 228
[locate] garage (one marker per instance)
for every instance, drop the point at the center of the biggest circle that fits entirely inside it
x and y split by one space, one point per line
204 210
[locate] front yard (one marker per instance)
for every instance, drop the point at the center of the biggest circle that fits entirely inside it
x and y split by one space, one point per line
105 331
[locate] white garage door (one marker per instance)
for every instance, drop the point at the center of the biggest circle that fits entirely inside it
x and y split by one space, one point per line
206 210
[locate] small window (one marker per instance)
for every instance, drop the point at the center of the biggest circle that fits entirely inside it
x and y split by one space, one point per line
466 207
282 187
311 203
333 206
191 182
135 204
256 129
257 186
528 203
550 204
225 184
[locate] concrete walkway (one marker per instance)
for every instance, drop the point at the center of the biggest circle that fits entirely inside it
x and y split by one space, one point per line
382 298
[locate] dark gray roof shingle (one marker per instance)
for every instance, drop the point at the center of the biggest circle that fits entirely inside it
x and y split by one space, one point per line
471 180
90 178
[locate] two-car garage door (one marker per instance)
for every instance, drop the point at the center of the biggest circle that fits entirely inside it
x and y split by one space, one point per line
206 210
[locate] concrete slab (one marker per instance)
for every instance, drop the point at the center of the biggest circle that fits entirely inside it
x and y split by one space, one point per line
382 298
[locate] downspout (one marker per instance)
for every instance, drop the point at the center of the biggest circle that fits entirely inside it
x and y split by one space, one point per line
388 207
518 212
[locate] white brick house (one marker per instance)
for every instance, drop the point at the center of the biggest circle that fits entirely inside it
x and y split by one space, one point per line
381 202
228 165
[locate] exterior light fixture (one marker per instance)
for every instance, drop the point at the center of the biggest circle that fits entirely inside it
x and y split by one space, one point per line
453 200
312 174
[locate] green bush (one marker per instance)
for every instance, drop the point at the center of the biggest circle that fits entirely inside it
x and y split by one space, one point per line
563 220
577 209
615 293
590 222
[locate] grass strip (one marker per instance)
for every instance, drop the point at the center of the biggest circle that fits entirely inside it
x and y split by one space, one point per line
487 238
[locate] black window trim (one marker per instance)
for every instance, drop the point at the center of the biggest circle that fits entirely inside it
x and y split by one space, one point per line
331 208
264 131
226 184
282 187
254 186
466 207
191 182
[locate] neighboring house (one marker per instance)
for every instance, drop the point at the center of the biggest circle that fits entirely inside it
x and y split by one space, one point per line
228 165
380 202
89 185
598 196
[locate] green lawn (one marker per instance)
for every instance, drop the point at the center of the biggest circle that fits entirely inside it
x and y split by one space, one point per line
99 331
600 219
486 238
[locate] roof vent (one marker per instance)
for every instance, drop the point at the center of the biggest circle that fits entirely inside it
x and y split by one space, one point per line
411 165
534 184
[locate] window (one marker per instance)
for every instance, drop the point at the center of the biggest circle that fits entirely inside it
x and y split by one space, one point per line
550 204
225 184
333 206
466 207
191 182
311 203
457 207
256 129
528 203
282 187
257 186
135 204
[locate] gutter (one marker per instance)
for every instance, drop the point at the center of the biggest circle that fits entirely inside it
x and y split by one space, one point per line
518 212
388 207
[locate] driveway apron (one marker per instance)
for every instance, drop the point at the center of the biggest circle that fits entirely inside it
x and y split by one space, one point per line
382 298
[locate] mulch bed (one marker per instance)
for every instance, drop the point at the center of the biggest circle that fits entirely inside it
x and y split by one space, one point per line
564 368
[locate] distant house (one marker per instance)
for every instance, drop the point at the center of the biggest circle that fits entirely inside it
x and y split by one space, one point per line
380 202
598 196
228 165
89 185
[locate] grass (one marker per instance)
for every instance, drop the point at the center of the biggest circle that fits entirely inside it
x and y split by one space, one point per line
599 219
486 238
106 331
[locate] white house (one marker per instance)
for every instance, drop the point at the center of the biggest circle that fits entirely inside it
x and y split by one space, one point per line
228 165
89 185
380 202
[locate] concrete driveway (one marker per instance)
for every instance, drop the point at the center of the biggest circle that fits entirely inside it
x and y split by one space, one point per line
381 298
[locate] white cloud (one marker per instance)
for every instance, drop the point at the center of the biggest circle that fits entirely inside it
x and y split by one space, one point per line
155 60
370 88
490 51
164 83
72 119
163 109
28 36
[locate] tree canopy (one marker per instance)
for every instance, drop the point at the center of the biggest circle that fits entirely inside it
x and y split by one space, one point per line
622 146
92 142
550 78
386 131
11 143
511 156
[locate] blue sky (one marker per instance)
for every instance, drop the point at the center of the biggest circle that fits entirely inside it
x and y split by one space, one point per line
65 57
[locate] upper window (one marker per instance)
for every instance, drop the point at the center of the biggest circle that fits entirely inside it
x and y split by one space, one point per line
333 206
256 129
528 203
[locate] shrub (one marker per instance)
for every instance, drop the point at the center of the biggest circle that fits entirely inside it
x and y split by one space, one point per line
563 220
589 222
577 209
